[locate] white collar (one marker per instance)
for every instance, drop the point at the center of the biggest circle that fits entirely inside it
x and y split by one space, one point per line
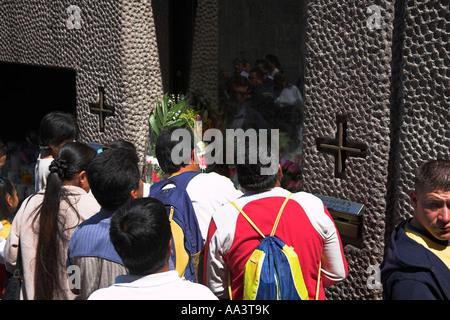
151 280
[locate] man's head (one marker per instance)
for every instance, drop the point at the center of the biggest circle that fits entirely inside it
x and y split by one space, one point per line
56 129
256 77
431 199
114 177
272 62
165 149
261 174
141 235
239 89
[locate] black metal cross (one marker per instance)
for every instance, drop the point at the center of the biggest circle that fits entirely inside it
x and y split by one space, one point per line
101 109
340 148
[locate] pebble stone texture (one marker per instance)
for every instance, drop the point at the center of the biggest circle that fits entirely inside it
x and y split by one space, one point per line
205 51
347 73
117 46
422 110
390 81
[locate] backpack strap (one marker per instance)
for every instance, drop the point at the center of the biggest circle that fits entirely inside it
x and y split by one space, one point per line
181 257
318 280
180 180
248 219
279 214
277 220
272 233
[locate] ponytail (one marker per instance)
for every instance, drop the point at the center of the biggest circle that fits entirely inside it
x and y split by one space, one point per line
73 157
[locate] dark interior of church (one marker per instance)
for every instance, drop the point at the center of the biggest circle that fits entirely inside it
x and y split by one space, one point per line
28 92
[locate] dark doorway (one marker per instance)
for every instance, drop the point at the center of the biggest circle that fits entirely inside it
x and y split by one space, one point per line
29 92
181 19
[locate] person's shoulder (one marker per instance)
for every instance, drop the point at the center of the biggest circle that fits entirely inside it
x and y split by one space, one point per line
210 176
103 294
214 180
89 199
89 225
197 291
305 198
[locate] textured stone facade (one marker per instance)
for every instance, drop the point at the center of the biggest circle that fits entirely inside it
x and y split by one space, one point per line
205 51
391 81
385 70
115 46
421 108
347 73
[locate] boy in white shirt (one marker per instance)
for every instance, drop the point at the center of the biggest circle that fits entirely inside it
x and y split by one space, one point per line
207 191
141 235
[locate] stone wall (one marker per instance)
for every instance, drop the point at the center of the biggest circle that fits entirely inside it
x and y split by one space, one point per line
347 73
205 52
382 64
115 45
390 78
421 105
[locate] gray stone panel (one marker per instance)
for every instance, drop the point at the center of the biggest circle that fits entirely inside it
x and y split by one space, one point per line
348 72
423 109
117 46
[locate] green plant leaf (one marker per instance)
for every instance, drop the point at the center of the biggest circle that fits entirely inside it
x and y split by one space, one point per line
154 124
175 109
159 113
164 104
175 123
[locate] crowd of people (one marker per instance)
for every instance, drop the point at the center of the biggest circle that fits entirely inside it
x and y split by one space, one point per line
264 91
91 212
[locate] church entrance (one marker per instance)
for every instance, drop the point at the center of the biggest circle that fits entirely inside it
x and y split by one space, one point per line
29 92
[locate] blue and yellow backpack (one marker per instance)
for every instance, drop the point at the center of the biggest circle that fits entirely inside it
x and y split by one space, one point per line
187 241
273 270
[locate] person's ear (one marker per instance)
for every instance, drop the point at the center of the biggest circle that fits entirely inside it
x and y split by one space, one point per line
133 194
9 200
413 198
279 176
170 246
279 173
81 178
137 193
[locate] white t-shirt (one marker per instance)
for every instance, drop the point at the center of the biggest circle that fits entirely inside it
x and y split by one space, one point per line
208 192
159 286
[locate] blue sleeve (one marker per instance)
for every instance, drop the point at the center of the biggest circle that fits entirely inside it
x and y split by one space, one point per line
410 289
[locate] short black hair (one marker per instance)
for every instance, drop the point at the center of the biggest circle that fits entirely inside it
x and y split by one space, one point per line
164 146
259 73
249 174
434 175
140 233
57 127
6 188
112 175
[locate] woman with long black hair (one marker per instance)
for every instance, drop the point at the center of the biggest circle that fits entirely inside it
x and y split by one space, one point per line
45 222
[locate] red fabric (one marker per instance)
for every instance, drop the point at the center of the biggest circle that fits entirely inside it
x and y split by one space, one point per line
263 213
3 279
